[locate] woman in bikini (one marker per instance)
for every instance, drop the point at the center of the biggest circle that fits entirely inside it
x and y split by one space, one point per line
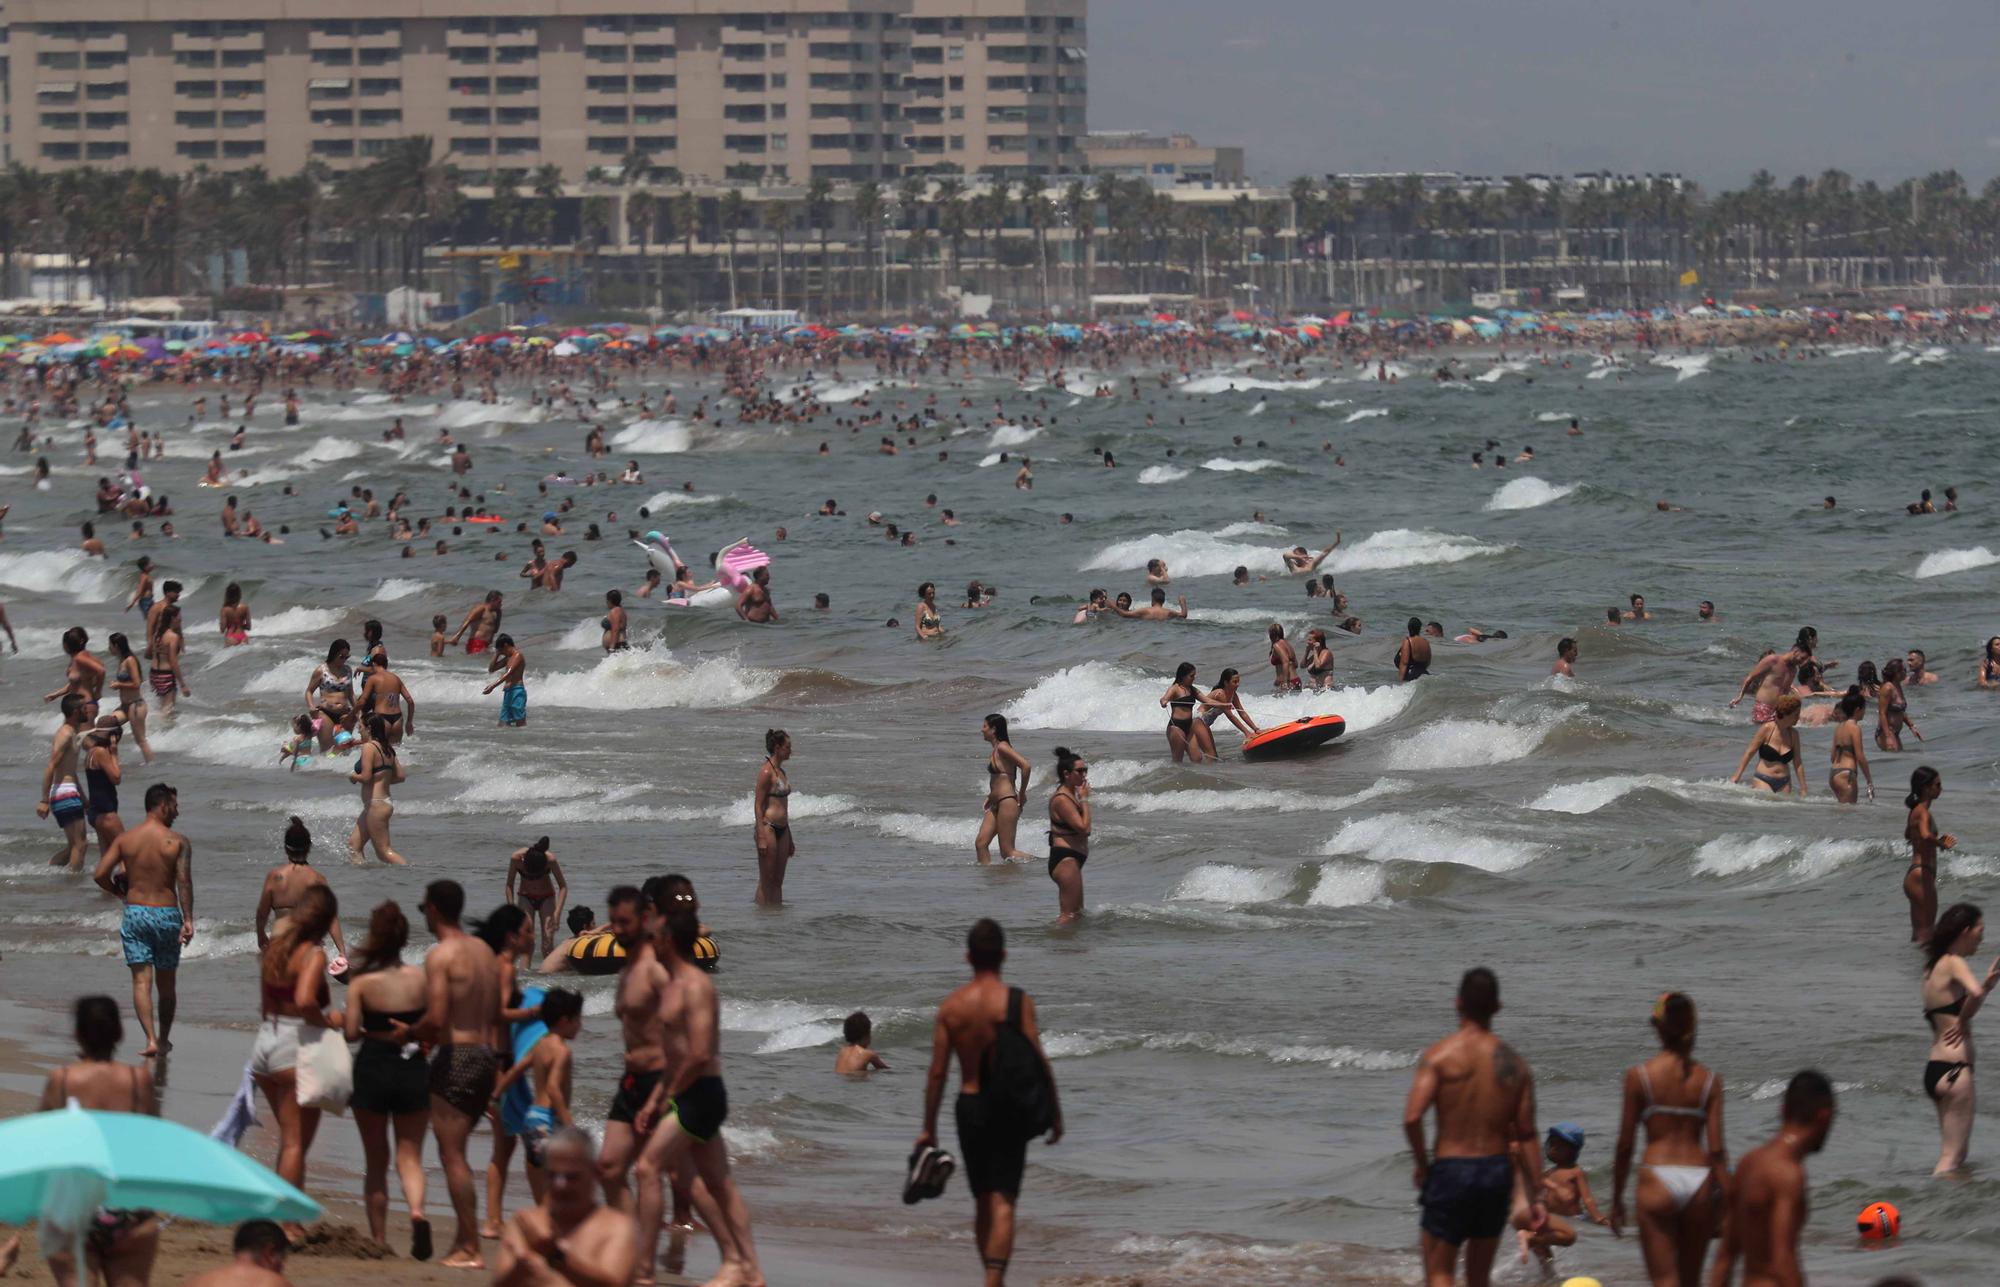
1776 747
1069 832
295 1009
330 695
1223 699
128 680
1007 772
773 830
234 619
85 673
1867 680
1284 661
1180 700
118 1246
1686 1165
391 1077
1848 757
1319 659
1989 664
1952 994
928 624
1895 711
373 653
286 883
164 658
1920 881
376 769
535 882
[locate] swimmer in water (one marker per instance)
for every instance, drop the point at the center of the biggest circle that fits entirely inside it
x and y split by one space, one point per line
1007 772
613 623
1921 830
286 883
1848 757
1180 700
1566 655
1069 832
1318 659
1223 699
1989 664
1299 563
234 619
1894 711
1413 655
773 828
929 626
1284 661
1157 610
1776 746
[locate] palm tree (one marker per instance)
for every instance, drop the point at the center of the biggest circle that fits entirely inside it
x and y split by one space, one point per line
1035 203
686 207
950 201
1305 216
1080 209
642 211
910 196
503 210
867 211
777 216
819 217
733 214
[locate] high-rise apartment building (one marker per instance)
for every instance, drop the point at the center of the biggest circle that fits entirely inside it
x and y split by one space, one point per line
724 90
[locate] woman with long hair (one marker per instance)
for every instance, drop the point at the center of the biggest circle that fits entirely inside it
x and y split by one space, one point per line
1224 699
287 882
1069 832
1920 881
163 670
535 881
330 694
234 618
1686 1165
1989 664
1007 772
1776 746
119 1246
101 775
1180 699
929 626
1848 758
1952 994
773 828
1894 708
295 1007
376 769
84 673
128 680
391 1077
1867 680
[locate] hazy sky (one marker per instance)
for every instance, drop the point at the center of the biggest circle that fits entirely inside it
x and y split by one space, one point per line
1709 88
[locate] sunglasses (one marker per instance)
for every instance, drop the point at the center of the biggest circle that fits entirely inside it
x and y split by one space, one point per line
1080 769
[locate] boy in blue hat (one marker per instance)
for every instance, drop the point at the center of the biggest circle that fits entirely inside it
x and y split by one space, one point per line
1565 1192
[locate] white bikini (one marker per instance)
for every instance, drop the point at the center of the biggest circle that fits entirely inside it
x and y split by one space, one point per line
1683 1183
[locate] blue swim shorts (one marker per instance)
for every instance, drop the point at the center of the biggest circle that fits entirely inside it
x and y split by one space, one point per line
152 936
514 704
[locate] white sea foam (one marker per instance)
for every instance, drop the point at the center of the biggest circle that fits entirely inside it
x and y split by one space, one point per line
653 438
1945 562
1113 699
1257 410
1685 366
1588 796
1328 404
1528 493
1224 465
1152 474
1013 435
663 499
1551 417
1733 855
328 450
398 587
1245 384
473 415
1365 413
842 390
297 621
991 459
1428 838
585 634
1080 1045
1188 552
1232 886
1402 547
1347 885
1249 799
1466 743
70 572
649 678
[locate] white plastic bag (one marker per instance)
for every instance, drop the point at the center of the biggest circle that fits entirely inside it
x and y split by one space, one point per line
325 1070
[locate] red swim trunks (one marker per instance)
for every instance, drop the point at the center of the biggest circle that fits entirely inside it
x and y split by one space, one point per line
475 645
1762 713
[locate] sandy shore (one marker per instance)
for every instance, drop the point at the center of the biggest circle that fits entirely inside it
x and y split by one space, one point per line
201 1076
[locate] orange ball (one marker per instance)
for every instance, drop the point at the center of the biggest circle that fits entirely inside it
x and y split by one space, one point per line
1879 1220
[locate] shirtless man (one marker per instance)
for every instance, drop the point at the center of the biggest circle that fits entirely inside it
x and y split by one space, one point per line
1915 662
1157 610
483 621
567 1239
261 1247
158 891
1485 1100
755 602
992 1152
1767 1203
691 1104
60 794
1770 679
384 693
1413 655
462 1016
170 596
637 1004
1300 563
512 664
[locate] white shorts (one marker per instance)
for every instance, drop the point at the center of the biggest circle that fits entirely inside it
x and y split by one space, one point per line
277 1045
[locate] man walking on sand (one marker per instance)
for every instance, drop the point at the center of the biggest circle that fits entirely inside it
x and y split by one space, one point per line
462 987
1767 1204
993 1150
157 887
1485 1100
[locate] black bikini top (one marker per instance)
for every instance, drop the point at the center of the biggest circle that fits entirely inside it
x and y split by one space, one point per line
1951 1009
1770 756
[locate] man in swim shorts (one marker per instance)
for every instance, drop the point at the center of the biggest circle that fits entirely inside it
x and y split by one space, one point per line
483 621
637 1004
158 891
1768 1207
1771 678
513 665
1484 1095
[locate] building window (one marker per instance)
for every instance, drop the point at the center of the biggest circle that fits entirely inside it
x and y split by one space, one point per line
333 147
469 146
61 59
780 143
61 151
105 120
195 88
744 53
242 58
605 53
654 144
321 91
242 88
238 149
99 59
517 84
743 84
378 27
333 117
518 115
374 87
376 117
471 115
598 115
513 55
655 115
652 53
196 149
519 146
107 151
468 54
97 93
333 27
606 84
777 80
377 147
743 143
743 112
61 120
652 84
182 58
471 85
379 55
610 143
241 120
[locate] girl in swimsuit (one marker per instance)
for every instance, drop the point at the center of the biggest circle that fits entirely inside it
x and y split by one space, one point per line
376 769
542 888
1989 664
1069 833
128 682
119 1246
390 1077
1284 661
1319 659
1686 1165
294 1006
373 653
1776 746
1180 701
1895 712
165 675
773 830
286 883
1952 994
1920 881
1867 680
85 673
1004 793
101 776
928 625
1223 699
1848 756
330 692
234 619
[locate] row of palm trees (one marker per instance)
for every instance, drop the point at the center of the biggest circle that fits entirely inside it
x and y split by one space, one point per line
639 236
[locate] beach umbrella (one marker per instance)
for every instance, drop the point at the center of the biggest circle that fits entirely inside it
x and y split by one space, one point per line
62 1166
248 337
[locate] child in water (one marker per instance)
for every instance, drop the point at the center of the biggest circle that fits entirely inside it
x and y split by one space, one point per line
438 624
1565 1192
855 1057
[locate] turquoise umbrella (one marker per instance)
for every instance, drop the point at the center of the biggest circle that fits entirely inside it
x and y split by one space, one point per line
62 1166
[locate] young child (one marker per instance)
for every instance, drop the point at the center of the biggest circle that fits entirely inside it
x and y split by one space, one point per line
855 1056
438 627
299 748
1565 1192
548 1064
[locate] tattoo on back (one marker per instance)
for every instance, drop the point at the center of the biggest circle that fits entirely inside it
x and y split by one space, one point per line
1507 1066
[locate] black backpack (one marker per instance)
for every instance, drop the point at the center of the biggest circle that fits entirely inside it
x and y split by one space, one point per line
1013 1080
